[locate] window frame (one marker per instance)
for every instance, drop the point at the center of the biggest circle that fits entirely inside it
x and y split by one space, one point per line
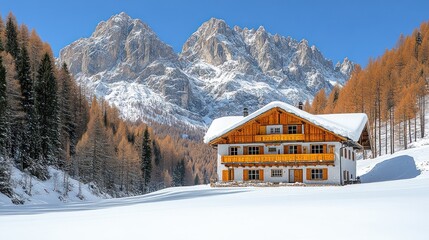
272 152
295 149
253 150
276 172
274 129
316 174
233 151
292 129
253 174
317 148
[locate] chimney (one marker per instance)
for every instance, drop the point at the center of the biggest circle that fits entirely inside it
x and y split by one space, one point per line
300 105
245 112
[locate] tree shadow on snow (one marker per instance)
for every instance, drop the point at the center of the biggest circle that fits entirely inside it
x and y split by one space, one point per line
117 202
397 168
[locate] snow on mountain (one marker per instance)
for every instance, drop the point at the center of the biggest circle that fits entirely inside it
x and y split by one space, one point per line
125 63
220 70
376 209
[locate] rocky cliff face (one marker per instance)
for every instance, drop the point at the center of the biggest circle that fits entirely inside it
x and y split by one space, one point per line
220 70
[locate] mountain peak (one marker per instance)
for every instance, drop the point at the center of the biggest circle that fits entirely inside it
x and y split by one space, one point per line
261 29
346 67
214 25
121 15
127 64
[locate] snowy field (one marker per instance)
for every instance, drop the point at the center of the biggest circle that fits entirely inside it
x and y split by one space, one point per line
393 203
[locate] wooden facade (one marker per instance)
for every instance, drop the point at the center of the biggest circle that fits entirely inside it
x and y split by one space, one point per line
255 130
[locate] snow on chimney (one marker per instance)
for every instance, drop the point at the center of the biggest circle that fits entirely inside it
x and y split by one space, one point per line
300 105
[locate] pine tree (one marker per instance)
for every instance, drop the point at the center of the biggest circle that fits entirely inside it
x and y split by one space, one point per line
29 130
196 180
146 160
46 105
24 76
67 101
156 152
1 45
3 110
14 113
179 173
5 175
11 36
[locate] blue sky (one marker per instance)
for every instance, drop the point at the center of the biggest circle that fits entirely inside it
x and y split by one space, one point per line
339 28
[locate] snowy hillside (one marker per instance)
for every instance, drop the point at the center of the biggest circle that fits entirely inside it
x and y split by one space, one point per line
31 191
392 203
220 70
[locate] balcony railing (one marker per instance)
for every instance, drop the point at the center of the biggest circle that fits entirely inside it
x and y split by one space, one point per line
322 158
279 137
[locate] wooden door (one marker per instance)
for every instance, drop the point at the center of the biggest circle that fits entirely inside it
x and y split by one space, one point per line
231 174
228 175
297 175
225 175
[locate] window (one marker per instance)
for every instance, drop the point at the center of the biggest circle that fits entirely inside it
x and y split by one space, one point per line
316 174
276 173
272 150
316 148
253 150
293 149
275 129
233 151
253 174
292 129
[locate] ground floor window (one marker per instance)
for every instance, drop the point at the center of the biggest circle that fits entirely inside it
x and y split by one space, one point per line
276 173
316 174
253 174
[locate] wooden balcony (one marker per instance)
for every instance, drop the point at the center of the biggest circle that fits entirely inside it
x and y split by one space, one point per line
279 159
279 138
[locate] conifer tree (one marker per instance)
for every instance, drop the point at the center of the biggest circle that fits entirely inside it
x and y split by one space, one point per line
196 180
11 36
1 45
3 110
29 129
156 152
94 150
319 102
46 105
67 101
24 76
179 173
146 159
5 175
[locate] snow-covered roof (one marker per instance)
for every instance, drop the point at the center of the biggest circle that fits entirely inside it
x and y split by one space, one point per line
347 125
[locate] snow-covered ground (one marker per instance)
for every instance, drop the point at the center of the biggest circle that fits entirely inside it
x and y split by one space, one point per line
392 203
32 191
